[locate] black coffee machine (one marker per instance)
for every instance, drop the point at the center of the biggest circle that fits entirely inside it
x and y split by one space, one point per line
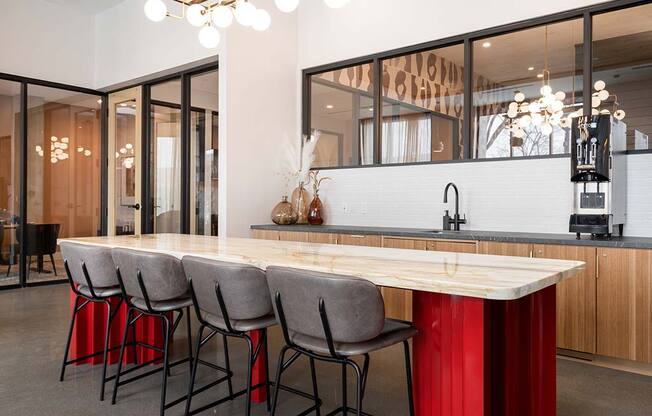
599 176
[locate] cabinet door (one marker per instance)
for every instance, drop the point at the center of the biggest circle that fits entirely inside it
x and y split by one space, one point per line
505 249
453 246
265 234
360 240
294 236
323 238
398 302
576 310
624 318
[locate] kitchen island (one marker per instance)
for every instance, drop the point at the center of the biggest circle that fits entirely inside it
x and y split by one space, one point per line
486 341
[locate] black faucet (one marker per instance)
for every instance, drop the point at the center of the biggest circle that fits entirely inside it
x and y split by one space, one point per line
455 220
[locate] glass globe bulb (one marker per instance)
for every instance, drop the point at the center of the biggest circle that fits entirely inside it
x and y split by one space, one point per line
595 102
546 129
519 133
336 4
244 13
525 121
54 160
557 106
599 85
619 114
519 96
209 37
603 95
262 20
535 107
287 6
511 113
546 90
513 106
196 15
222 17
560 95
156 10
537 119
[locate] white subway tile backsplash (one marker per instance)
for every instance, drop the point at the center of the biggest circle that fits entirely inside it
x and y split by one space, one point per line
517 195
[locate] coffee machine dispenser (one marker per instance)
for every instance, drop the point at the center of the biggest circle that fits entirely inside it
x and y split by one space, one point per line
599 175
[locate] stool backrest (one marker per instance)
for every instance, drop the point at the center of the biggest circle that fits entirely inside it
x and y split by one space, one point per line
98 262
354 307
162 274
243 288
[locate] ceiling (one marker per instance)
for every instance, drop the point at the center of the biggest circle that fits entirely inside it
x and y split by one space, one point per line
87 6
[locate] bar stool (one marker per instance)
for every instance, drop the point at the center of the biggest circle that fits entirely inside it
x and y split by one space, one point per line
333 318
155 285
92 279
231 299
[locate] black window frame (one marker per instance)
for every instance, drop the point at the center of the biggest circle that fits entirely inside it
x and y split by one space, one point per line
585 13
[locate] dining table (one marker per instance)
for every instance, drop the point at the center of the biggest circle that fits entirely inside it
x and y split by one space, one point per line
486 341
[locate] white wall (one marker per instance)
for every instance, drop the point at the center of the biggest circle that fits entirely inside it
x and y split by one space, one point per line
129 46
46 41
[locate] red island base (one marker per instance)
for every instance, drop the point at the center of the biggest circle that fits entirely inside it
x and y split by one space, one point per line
475 357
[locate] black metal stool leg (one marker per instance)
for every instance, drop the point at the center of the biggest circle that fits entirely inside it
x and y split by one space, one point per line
193 373
166 367
408 371
107 335
345 404
315 390
67 350
359 380
277 381
365 373
134 347
121 358
54 266
227 364
189 331
249 371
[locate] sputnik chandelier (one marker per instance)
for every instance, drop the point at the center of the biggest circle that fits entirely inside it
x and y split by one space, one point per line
547 111
213 14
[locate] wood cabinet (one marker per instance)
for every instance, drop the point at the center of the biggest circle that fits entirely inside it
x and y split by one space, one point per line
576 297
265 235
505 249
360 240
398 302
624 309
452 246
407 243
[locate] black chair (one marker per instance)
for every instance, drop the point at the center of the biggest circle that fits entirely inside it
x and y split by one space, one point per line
92 278
10 260
40 241
333 318
152 284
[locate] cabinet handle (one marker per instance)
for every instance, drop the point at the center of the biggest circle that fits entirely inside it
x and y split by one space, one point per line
357 236
531 253
597 265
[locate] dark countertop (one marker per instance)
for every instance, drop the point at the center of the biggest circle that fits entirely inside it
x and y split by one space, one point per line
507 237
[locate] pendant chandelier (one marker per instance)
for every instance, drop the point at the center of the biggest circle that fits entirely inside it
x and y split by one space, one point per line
547 111
59 150
213 14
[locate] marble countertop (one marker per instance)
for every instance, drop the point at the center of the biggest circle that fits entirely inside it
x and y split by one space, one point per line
473 275
507 237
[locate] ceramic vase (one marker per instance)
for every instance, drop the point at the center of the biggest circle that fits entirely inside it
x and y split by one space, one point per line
283 213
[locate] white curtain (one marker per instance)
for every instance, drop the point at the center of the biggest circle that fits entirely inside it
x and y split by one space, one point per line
367 142
407 139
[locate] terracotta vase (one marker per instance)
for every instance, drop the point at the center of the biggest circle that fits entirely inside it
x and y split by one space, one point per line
300 201
315 212
283 213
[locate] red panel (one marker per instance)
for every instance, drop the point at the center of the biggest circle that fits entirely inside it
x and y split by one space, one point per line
88 334
482 357
258 372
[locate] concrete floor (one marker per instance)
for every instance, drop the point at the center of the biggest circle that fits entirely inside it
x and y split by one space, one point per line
33 324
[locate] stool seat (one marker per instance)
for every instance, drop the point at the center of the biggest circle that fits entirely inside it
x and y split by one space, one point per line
100 292
163 306
393 332
242 325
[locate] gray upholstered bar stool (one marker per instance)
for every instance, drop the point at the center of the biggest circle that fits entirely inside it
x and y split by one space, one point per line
152 284
333 318
231 300
92 278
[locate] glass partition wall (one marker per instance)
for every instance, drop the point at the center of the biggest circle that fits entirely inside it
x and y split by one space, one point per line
499 93
10 149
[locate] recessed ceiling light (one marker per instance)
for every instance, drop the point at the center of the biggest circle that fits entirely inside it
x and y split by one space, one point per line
486 45
423 88
531 68
329 106
539 75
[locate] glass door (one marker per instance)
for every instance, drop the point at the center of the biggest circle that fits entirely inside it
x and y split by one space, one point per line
124 181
